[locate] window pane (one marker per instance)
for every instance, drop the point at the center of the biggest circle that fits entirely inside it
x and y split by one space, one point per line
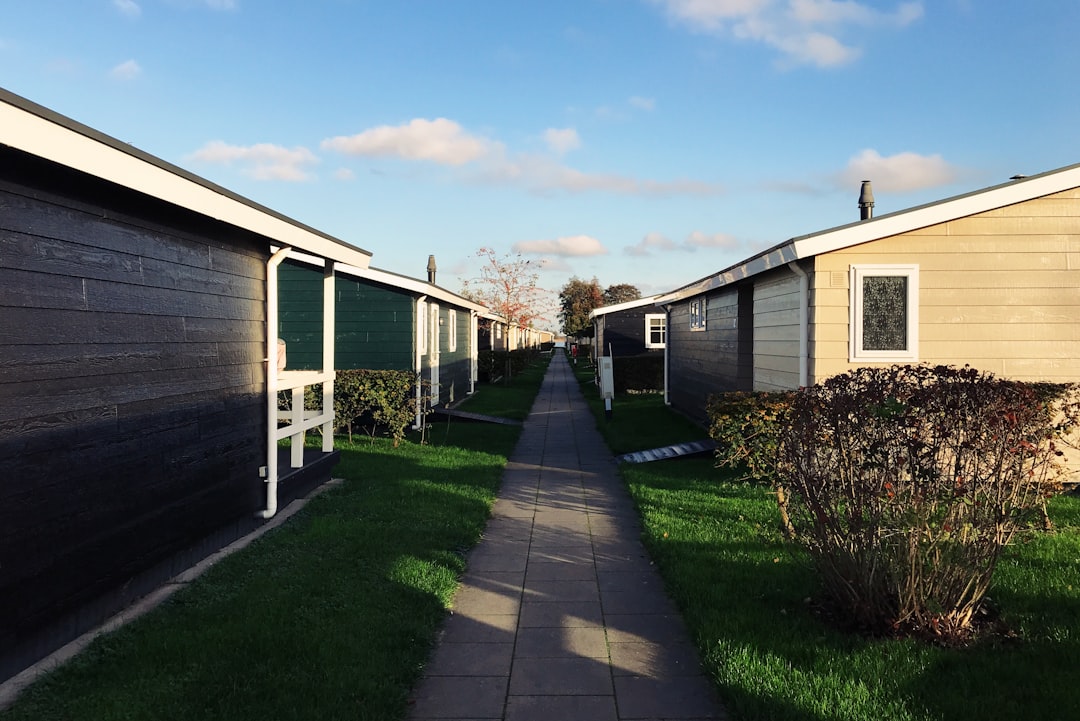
884 312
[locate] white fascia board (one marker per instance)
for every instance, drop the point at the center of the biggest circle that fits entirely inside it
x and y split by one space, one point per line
627 305
961 206
904 221
37 131
413 285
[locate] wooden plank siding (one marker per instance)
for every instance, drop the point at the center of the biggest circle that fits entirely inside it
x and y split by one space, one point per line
374 326
703 362
373 323
132 388
776 331
455 367
999 291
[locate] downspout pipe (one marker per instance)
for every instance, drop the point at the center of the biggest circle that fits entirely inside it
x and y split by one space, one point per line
667 354
804 323
421 338
272 383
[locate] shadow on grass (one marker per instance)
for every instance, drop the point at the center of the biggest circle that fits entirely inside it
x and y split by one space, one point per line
742 592
329 616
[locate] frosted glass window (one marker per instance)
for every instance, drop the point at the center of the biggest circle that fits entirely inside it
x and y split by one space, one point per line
884 317
884 312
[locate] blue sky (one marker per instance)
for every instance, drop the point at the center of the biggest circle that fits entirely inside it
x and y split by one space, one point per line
649 142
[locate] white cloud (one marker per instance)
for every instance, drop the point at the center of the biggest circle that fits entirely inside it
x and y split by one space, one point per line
439 141
344 174
642 103
554 265
806 32
900 173
127 70
698 239
263 161
569 246
128 7
545 175
651 242
562 140
654 243
445 142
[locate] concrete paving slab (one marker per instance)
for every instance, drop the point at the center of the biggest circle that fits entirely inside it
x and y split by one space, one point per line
561 614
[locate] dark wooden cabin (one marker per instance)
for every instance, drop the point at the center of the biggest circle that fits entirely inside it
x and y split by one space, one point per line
384 321
134 404
630 329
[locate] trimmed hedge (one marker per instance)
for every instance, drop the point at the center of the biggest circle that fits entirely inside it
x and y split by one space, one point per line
639 373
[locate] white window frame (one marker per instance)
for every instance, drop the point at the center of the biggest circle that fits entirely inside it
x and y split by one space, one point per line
698 313
649 317
451 331
855 324
422 326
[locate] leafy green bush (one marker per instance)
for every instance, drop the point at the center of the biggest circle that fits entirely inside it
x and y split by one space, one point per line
491 364
907 482
369 398
746 428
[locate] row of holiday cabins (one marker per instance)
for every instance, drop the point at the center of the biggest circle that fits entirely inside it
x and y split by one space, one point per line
989 279
140 309
141 312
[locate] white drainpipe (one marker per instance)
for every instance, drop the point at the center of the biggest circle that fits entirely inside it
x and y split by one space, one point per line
271 382
667 353
421 326
804 323
474 354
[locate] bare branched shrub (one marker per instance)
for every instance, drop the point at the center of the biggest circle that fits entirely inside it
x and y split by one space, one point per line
908 481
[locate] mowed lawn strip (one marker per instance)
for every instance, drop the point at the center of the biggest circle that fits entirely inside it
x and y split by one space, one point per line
747 597
330 616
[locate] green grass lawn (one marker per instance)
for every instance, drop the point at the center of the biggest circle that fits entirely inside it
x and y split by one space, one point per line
743 592
511 399
330 616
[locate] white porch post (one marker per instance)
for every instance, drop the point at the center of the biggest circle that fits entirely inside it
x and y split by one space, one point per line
328 350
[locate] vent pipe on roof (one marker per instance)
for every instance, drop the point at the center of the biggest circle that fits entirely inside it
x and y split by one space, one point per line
431 269
866 201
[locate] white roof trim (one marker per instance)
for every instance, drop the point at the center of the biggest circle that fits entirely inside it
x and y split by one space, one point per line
904 221
393 280
38 131
626 305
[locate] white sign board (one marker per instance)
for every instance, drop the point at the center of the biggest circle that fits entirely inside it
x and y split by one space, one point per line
607 382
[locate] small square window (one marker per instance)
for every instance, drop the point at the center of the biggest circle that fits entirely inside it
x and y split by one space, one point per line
697 314
655 330
884 316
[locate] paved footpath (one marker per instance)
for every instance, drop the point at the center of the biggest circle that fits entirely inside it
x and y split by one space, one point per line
560 615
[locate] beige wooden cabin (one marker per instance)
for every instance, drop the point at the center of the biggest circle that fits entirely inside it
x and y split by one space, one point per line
989 279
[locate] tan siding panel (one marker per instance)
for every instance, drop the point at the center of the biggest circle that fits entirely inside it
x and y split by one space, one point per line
999 332
1000 296
1069 279
997 314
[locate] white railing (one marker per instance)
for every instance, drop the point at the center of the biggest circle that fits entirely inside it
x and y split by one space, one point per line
299 420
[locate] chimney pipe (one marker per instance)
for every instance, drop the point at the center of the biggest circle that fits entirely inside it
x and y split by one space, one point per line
431 269
866 201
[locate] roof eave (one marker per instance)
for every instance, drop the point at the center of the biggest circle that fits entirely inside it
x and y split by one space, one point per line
41 132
